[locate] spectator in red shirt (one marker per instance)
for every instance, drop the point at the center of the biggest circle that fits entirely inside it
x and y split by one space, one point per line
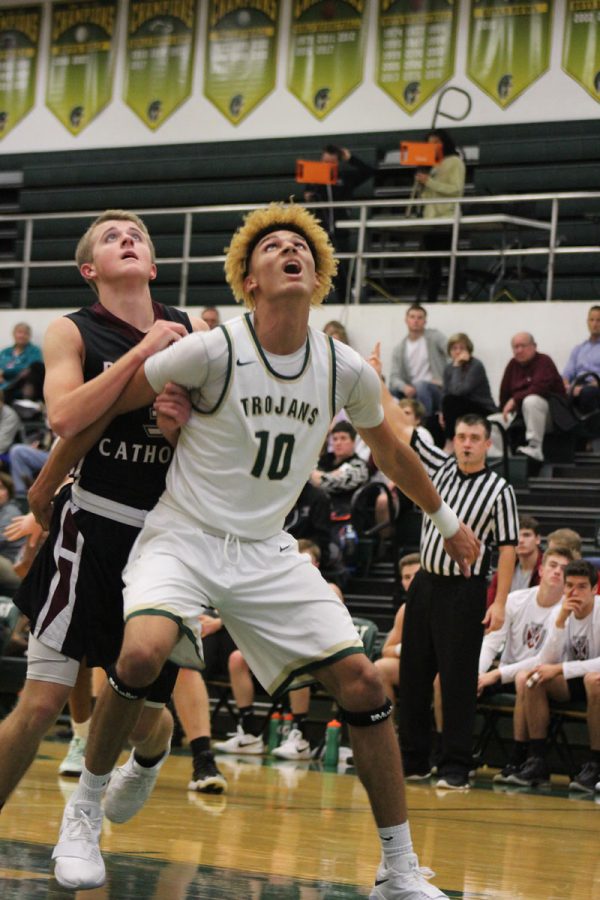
528 381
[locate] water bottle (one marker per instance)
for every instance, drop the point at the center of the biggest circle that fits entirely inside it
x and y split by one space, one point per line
350 546
332 743
286 726
274 730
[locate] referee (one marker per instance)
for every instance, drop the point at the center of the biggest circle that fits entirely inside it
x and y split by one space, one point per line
445 612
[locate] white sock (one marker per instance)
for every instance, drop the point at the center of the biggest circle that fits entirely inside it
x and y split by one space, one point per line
396 843
81 729
91 787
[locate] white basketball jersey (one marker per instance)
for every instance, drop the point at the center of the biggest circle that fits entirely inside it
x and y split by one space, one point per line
240 466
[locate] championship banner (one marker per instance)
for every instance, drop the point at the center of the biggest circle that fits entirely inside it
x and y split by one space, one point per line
241 55
81 61
326 52
509 46
416 43
19 40
581 49
160 54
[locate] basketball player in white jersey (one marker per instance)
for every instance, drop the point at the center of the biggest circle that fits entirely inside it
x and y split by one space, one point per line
264 388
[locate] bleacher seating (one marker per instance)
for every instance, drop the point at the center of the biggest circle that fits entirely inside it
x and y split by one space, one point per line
521 158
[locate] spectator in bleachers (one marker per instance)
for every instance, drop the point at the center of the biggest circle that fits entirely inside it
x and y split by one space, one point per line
10 425
528 381
418 362
466 388
310 519
341 472
352 172
529 558
336 330
21 366
414 413
567 670
9 550
525 628
25 461
210 315
582 371
444 181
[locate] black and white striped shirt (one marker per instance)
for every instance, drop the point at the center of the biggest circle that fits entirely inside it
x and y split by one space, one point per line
483 500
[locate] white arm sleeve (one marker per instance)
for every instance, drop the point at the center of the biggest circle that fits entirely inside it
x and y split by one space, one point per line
359 390
552 648
577 668
491 647
187 362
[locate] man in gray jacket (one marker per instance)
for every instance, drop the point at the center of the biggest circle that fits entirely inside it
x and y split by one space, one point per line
418 361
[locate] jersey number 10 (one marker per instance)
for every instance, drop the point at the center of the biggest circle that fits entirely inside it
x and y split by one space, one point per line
281 455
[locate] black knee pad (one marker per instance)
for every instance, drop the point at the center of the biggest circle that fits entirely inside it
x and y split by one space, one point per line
122 689
364 719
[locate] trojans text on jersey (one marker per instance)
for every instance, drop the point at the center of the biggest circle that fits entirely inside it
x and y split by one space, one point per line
280 406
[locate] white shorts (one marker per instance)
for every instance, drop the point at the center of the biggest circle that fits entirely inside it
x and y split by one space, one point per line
274 602
47 664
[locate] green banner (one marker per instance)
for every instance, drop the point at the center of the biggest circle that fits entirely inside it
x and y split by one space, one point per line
416 43
241 55
326 52
81 61
581 50
19 40
160 55
509 46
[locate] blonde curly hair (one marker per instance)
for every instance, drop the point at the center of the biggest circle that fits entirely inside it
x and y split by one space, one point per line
279 217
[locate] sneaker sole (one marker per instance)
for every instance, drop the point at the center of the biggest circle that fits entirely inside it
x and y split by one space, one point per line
239 750
211 785
576 786
296 757
82 886
443 785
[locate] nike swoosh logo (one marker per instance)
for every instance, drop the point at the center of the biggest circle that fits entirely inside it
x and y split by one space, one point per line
388 838
281 549
381 881
247 363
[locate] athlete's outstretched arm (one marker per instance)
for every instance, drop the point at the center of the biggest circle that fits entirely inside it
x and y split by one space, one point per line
402 465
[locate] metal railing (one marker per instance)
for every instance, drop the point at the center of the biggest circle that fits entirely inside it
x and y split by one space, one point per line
369 216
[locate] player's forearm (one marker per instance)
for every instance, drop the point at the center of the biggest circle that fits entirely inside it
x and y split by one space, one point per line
73 412
64 456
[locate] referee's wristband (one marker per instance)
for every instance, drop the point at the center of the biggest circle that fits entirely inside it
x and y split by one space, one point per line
445 520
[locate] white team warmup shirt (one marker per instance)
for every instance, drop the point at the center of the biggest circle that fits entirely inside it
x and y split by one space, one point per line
525 628
577 645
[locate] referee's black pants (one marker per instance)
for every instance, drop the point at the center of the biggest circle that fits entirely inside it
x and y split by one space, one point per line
442 633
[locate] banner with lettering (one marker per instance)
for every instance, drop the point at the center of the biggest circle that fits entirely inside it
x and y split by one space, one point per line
581 49
160 57
326 54
416 45
241 55
81 61
509 46
19 42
